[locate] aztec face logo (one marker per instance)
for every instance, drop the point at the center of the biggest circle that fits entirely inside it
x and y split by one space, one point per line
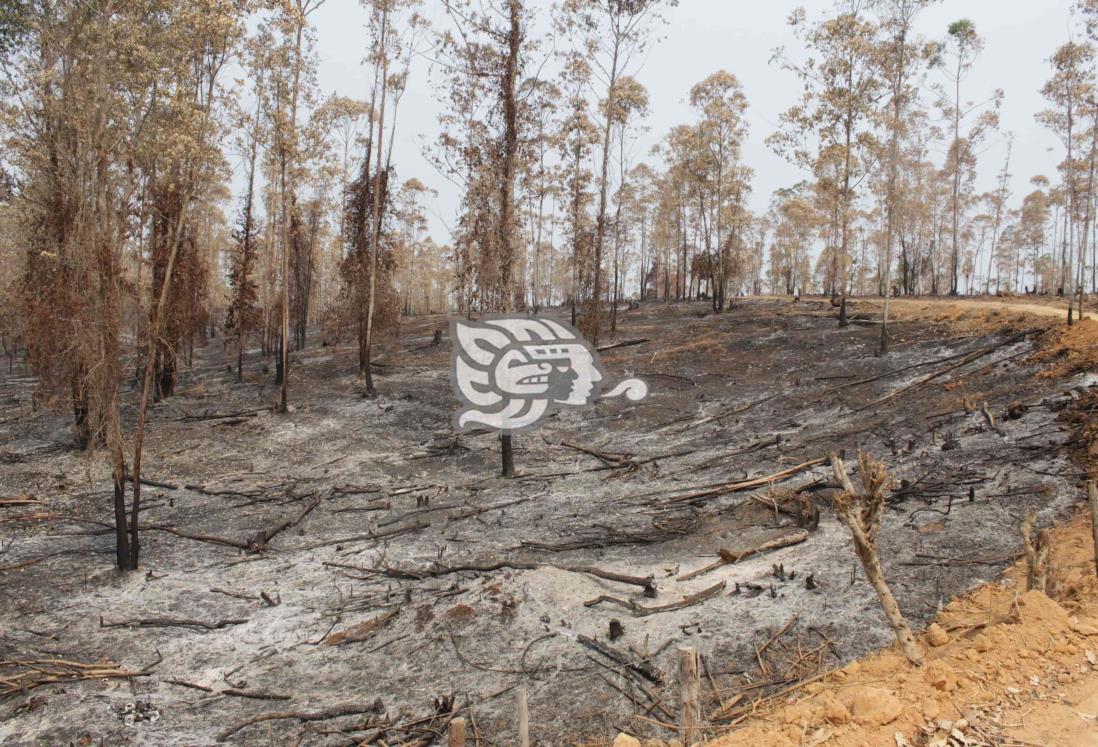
510 372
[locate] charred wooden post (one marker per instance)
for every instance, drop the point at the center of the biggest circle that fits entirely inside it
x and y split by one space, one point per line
689 697
523 718
508 456
1041 571
1092 499
1036 555
861 512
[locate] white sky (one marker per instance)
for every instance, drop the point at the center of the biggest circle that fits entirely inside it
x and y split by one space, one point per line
702 36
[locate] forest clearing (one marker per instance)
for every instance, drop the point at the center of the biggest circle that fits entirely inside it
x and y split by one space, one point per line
398 573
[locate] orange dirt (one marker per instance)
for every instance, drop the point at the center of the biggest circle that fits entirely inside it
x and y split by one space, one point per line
969 316
1072 349
1011 668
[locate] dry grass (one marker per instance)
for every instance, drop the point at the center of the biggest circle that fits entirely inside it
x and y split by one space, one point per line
1070 350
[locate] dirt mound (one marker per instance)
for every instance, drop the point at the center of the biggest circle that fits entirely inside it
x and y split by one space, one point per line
1069 350
1009 652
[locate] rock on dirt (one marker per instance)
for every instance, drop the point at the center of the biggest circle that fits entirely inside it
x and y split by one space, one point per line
935 636
873 706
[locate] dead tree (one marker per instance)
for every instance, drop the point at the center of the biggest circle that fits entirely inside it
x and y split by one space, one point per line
1036 555
861 512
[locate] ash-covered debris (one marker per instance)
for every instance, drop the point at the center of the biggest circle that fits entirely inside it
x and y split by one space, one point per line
363 551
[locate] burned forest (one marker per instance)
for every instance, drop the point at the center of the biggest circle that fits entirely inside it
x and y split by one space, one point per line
501 372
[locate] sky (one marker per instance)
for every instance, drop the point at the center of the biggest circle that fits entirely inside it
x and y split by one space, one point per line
700 37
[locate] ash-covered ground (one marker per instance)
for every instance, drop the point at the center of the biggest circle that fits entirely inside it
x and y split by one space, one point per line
416 575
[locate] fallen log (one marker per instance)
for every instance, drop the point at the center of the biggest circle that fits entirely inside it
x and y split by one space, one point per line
615 460
720 415
19 501
254 695
18 676
225 416
648 583
168 622
367 537
773 639
640 666
153 483
712 491
640 611
346 709
727 557
622 344
259 540
160 528
942 371
232 691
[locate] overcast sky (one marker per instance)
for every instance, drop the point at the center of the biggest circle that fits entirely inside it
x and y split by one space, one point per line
702 36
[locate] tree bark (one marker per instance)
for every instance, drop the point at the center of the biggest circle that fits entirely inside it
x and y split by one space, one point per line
375 237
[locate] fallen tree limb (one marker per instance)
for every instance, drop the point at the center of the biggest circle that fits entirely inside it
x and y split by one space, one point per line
346 709
18 676
712 491
168 622
648 583
622 344
259 540
367 537
230 493
19 501
640 611
722 414
254 695
242 414
615 460
484 509
757 446
232 691
888 374
153 483
727 557
235 594
161 528
611 540
942 371
784 629
643 668
190 685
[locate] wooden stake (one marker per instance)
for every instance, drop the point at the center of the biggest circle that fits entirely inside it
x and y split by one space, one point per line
508 456
1036 555
1040 573
457 733
1092 499
689 696
523 718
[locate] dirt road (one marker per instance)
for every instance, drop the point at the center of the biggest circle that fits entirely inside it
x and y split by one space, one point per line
902 305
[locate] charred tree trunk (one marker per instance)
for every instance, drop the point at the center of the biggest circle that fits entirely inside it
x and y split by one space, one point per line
508 456
375 237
